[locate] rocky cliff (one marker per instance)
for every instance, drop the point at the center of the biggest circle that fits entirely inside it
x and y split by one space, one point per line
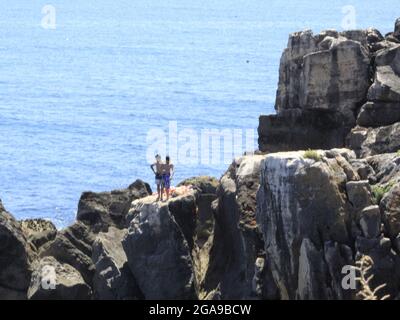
280 224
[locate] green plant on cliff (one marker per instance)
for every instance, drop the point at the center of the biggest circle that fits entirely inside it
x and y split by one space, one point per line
364 266
312 154
398 153
378 191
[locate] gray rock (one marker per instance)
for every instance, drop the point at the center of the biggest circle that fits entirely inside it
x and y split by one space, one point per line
386 86
364 170
359 193
16 257
73 246
113 279
296 129
287 217
372 141
100 210
238 244
38 231
397 29
386 263
370 222
158 253
390 206
377 114
56 281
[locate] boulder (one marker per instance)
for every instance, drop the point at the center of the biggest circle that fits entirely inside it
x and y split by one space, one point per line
103 209
16 257
52 280
113 279
158 253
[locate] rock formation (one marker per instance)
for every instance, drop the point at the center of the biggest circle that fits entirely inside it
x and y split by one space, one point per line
279 224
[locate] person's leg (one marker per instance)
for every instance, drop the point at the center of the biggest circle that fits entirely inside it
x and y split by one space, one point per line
158 190
167 186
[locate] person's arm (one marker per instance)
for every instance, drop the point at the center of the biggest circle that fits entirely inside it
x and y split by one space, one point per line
172 171
152 168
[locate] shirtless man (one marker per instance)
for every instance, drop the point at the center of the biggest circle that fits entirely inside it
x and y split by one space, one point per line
158 165
167 175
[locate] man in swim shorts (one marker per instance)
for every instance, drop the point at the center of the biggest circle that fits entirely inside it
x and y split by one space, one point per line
156 167
167 174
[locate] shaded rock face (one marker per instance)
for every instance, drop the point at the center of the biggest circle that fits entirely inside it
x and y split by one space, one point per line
318 71
39 231
16 256
378 114
158 253
52 280
316 217
100 210
73 246
297 130
373 141
237 265
386 86
113 279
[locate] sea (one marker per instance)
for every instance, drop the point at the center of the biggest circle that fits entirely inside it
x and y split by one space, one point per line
91 90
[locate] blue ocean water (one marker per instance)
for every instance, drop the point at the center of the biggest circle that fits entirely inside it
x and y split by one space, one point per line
77 101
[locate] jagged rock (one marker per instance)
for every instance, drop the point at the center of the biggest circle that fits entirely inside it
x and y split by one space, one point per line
370 222
305 82
205 184
386 167
386 268
317 97
16 257
39 231
372 141
359 193
73 246
54 280
237 241
386 86
377 114
364 170
113 279
287 217
100 210
390 206
157 251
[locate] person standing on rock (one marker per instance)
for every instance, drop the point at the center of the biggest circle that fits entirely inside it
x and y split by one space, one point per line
158 165
167 174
